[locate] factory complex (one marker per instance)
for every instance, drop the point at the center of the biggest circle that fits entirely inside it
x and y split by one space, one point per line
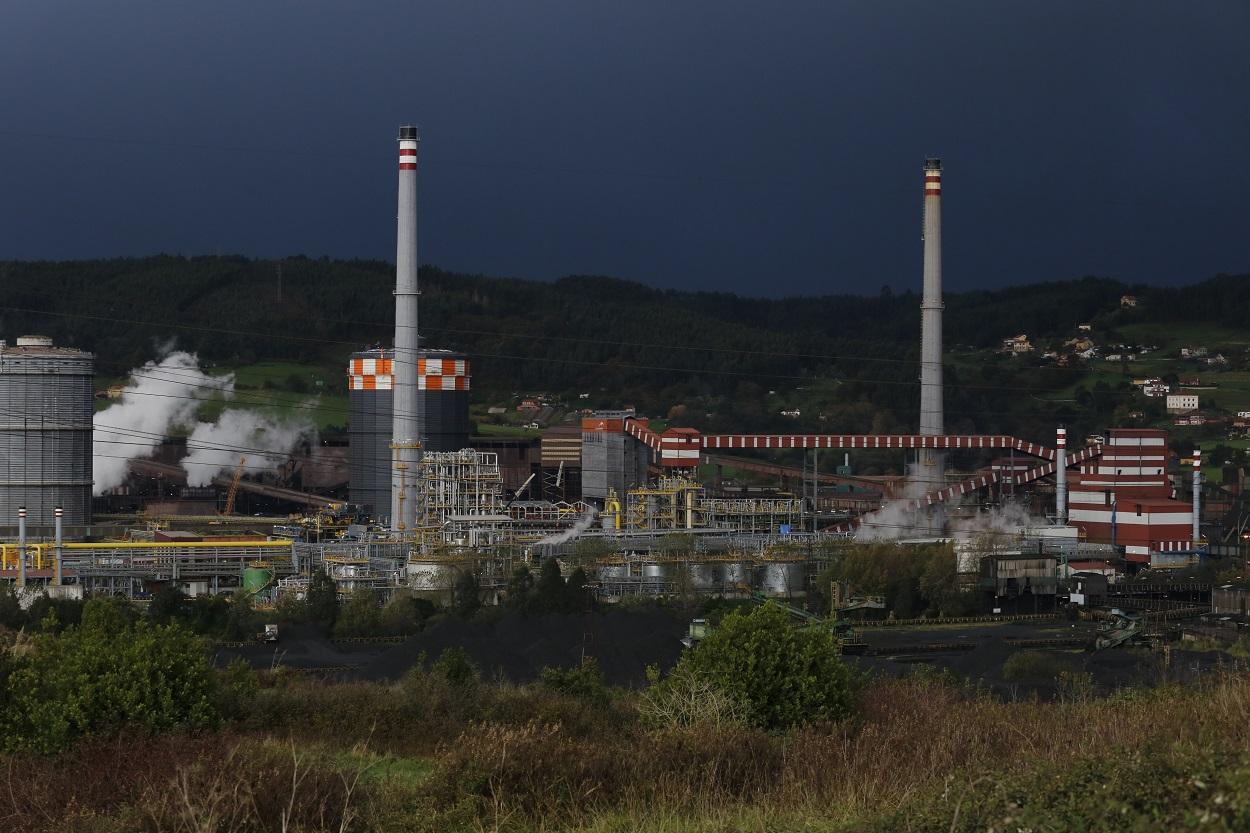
643 510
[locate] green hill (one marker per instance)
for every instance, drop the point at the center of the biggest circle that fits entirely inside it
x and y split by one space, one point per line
846 362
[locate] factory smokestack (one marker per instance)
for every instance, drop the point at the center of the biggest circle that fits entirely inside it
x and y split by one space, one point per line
932 463
405 421
1196 532
1061 476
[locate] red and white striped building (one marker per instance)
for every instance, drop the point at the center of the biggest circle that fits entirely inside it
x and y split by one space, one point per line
1124 498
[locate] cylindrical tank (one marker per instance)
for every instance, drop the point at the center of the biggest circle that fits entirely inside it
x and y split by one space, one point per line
614 572
443 383
430 576
656 572
782 578
256 579
45 433
705 576
735 573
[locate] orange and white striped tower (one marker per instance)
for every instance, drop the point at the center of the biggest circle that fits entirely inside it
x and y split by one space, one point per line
406 417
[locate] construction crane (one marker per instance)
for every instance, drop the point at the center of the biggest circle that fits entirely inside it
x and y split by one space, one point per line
519 491
233 492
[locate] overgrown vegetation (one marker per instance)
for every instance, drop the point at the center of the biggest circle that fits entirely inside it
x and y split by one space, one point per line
122 727
109 672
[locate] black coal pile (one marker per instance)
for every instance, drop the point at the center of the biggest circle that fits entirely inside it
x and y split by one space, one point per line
517 648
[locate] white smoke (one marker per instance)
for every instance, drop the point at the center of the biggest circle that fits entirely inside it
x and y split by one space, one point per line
897 519
166 395
583 524
158 396
997 522
260 440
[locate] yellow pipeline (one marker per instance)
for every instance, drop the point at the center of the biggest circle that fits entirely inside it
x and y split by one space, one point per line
46 552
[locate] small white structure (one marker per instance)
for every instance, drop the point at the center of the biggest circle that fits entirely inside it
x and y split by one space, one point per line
1182 403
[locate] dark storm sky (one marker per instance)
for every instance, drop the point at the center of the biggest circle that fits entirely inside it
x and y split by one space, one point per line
767 148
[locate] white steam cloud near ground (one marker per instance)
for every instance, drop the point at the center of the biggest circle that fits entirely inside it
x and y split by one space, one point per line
583 523
164 396
898 519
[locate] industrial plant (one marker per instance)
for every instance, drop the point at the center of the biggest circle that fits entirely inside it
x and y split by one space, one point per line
643 508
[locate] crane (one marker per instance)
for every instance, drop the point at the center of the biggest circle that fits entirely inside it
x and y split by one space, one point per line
234 487
519 491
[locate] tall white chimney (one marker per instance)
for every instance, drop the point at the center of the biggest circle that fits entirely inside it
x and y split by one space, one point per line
932 463
406 422
1061 476
1197 510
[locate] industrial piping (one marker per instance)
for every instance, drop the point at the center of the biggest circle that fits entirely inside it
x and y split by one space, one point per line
1061 476
21 546
58 514
931 415
405 420
1197 532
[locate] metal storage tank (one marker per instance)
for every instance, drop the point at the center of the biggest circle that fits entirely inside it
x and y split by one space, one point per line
614 572
45 433
431 576
443 383
735 573
786 578
706 576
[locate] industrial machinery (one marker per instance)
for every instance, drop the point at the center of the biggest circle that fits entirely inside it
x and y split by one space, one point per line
233 493
1122 628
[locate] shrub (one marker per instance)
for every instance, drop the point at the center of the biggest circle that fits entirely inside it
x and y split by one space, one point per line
94 678
237 685
322 599
685 698
585 681
466 594
1032 665
782 674
360 615
454 666
401 616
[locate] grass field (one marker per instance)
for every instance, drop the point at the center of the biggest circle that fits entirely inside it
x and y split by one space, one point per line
489 429
1171 337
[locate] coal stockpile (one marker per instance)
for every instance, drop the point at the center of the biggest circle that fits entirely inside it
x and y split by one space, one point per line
979 654
512 647
517 647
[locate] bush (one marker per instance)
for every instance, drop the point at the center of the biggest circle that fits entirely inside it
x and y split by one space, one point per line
401 616
466 594
237 685
584 681
454 666
783 674
360 616
685 698
1152 789
102 675
1032 665
322 599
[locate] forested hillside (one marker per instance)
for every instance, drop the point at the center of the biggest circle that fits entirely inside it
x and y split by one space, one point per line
849 359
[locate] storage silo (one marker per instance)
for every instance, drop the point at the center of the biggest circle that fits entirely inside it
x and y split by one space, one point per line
45 433
443 383
611 459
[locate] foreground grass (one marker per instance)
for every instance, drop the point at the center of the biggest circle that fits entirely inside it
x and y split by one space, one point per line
426 755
